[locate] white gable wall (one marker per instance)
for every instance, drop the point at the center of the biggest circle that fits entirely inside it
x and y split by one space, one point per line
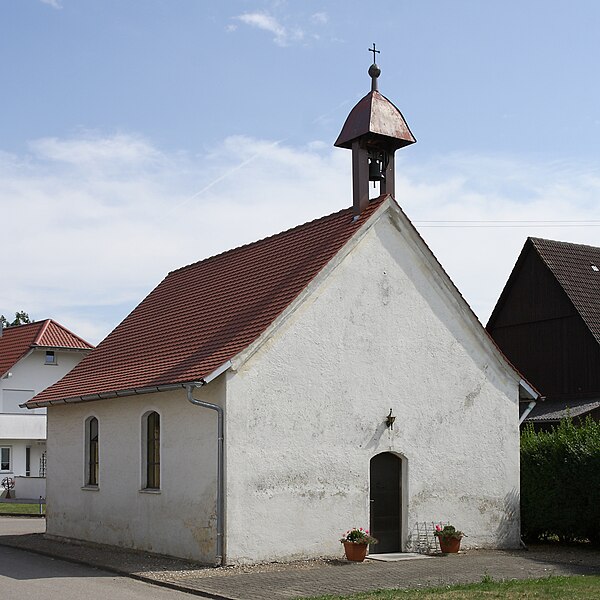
31 375
21 428
306 412
180 519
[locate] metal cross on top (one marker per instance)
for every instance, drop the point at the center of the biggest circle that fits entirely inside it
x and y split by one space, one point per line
374 52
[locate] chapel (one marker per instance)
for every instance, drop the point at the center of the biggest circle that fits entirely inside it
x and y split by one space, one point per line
259 403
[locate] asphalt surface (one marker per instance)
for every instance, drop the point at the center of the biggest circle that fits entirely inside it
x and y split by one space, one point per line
280 581
27 576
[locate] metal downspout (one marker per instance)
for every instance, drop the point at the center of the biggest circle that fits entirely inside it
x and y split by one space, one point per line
220 460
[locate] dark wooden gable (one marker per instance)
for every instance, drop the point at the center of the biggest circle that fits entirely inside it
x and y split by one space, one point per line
538 328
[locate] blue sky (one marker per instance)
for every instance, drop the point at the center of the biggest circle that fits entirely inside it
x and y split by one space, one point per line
139 136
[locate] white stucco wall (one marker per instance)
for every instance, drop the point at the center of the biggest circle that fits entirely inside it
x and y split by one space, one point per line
18 455
180 519
31 375
21 427
31 488
305 414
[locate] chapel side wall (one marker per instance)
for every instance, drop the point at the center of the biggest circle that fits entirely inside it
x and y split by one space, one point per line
180 519
306 414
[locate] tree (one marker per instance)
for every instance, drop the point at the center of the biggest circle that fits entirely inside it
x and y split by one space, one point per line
21 318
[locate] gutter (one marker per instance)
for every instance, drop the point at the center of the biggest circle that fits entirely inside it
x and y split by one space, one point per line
220 557
104 395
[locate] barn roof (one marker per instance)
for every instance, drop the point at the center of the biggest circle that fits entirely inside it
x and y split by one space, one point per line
204 314
17 341
556 410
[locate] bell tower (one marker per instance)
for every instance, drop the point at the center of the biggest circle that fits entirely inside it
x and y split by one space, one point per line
374 130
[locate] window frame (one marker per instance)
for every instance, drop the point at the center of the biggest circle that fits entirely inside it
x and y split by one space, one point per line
92 453
50 354
151 451
27 461
10 459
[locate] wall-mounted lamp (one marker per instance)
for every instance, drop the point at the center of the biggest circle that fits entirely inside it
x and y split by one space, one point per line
389 420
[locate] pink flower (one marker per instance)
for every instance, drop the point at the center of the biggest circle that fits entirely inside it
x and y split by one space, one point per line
438 527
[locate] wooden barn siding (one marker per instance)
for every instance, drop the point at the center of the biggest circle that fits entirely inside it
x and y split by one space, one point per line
543 336
534 295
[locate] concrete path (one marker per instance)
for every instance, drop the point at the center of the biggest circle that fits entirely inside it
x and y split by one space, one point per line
312 578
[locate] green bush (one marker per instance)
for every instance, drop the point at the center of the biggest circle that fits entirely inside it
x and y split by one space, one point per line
560 482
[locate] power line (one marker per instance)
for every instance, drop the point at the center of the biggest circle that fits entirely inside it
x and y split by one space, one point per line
500 224
510 221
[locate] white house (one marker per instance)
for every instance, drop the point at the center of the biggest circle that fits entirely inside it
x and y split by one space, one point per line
32 357
260 402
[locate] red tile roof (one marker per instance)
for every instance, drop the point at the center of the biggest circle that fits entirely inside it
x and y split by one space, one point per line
204 314
572 265
17 341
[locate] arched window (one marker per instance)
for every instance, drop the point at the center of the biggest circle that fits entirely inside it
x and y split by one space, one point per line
92 451
153 451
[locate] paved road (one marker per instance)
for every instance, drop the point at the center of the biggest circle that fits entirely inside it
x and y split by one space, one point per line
26 576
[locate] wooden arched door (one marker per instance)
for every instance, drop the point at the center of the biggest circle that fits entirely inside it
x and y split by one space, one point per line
386 502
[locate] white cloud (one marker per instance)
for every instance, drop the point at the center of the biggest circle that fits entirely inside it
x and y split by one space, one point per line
282 35
53 3
95 150
320 18
93 223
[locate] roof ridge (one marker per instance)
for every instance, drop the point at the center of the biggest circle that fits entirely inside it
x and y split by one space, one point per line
271 237
65 329
538 239
41 332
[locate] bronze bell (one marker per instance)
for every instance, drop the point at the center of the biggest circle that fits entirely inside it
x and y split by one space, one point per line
375 172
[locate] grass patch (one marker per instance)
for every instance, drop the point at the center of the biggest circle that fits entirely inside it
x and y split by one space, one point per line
577 587
12 508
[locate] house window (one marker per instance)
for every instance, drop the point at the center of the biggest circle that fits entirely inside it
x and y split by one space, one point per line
5 458
50 357
28 461
92 451
152 451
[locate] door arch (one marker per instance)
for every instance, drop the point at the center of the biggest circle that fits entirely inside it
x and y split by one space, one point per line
386 502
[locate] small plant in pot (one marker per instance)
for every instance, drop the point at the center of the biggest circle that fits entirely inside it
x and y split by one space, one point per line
356 542
449 538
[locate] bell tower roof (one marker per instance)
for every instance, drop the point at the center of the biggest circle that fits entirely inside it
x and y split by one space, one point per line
375 116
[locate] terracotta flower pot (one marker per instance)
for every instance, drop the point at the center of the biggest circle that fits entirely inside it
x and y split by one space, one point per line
449 545
355 552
